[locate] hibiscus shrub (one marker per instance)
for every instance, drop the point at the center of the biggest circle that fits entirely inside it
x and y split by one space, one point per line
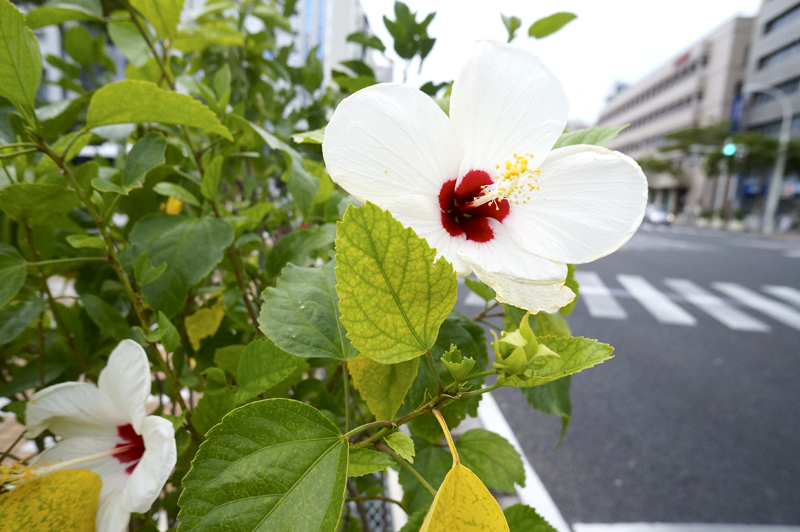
215 313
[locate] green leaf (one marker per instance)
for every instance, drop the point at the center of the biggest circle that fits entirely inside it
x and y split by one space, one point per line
459 366
546 324
210 410
56 118
105 316
297 247
480 288
512 24
12 273
144 271
21 317
74 143
20 59
164 15
130 42
105 185
271 17
191 247
521 518
38 203
130 101
574 354
402 444
276 464
86 241
212 178
415 521
572 284
492 459
169 336
596 136
433 464
301 314
310 137
366 461
64 11
261 366
171 190
552 398
227 358
549 25
145 155
81 45
370 41
394 297
383 386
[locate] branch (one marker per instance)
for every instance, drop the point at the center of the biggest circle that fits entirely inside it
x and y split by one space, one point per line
386 449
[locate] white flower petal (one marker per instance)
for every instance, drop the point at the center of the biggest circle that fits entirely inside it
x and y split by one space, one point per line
506 101
153 469
423 215
111 514
126 382
72 409
390 140
518 277
590 202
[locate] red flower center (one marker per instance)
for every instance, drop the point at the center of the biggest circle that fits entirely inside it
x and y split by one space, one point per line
461 218
134 447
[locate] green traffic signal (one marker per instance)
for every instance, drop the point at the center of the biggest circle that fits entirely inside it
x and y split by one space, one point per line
729 149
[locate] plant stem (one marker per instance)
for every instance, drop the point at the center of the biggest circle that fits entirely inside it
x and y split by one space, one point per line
362 428
11 448
489 324
435 372
481 391
386 449
378 498
482 314
64 261
346 382
447 436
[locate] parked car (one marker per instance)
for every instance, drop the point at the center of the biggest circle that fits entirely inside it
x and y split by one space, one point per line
657 215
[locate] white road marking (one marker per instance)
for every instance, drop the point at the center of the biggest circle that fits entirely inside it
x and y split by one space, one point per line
765 305
679 527
787 293
474 300
716 307
663 309
534 493
598 298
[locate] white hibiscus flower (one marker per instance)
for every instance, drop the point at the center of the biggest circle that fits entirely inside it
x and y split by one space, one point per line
483 186
106 429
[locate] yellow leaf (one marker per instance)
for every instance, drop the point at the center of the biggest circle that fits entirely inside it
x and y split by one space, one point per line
463 504
66 500
204 323
174 206
383 386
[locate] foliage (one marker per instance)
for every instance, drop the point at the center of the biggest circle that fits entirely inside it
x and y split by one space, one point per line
292 331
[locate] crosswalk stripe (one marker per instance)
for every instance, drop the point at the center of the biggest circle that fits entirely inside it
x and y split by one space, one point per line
716 307
787 293
765 305
598 298
663 309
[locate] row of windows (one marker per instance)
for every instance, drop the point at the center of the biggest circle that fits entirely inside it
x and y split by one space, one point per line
783 20
774 128
693 68
779 56
651 143
690 101
788 87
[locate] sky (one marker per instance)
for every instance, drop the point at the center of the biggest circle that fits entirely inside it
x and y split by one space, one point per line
611 40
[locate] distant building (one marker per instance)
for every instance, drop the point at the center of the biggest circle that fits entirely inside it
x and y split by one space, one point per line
696 88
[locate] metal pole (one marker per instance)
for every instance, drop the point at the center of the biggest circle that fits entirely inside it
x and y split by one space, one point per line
776 183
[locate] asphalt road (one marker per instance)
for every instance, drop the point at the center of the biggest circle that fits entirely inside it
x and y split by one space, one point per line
697 418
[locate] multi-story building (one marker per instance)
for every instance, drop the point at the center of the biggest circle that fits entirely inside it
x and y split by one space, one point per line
696 88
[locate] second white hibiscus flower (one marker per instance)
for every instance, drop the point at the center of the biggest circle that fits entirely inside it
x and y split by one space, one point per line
483 186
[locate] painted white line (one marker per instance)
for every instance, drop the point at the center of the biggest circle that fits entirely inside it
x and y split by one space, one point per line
680 527
598 298
474 300
773 309
663 309
716 307
792 254
787 293
534 494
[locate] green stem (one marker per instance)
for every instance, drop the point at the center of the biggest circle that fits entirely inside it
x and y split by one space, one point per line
11 448
397 458
489 324
346 382
435 372
447 436
64 261
454 386
480 315
378 498
481 391
362 428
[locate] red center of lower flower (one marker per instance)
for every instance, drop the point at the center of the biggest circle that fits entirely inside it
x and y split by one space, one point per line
134 447
460 218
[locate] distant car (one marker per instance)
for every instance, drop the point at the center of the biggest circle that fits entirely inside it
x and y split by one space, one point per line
656 215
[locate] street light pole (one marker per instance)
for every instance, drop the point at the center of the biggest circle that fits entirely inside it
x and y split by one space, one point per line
776 183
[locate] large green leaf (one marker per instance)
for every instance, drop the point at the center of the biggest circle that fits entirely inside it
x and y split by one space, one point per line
12 273
492 459
596 136
164 15
145 155
21 317
276 465
261 366
301 314
393 295
549 25
127 38
60 11
574 354
365 461
552 398
20 59
191 247
383 386
521 518
131 101
37 203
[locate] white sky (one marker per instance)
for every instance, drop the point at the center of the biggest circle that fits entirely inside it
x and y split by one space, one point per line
610 40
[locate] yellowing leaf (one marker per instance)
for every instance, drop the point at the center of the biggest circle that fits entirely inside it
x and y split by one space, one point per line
66 500
383 386
464 504
204 323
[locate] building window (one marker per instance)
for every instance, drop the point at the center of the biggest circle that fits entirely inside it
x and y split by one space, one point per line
779 56
783 20
773 129
788 87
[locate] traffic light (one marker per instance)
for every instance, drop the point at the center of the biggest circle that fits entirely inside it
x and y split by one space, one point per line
729 149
